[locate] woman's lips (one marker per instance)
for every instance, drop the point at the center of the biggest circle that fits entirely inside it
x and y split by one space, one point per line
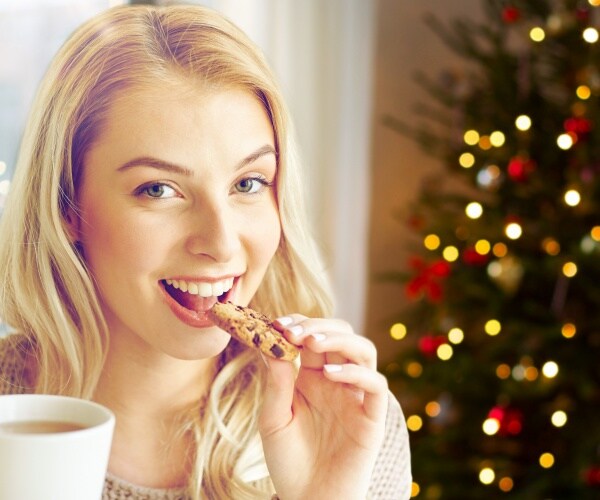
189 308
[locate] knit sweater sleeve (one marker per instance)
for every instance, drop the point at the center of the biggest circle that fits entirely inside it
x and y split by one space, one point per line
392 479
15 373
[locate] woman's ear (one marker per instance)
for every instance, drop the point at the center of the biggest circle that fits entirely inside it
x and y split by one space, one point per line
72 224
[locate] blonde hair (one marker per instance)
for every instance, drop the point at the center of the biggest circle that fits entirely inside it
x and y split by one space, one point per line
45 289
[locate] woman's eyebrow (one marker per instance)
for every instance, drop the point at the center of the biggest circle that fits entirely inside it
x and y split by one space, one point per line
150 161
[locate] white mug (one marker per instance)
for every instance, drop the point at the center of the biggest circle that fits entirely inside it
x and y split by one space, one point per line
53 447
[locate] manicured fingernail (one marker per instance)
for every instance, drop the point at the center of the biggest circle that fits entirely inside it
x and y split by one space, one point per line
284 320
296 330
333 368
319 337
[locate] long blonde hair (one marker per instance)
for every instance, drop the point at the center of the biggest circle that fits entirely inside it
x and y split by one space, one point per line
46 292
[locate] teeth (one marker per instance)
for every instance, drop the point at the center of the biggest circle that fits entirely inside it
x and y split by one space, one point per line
202 288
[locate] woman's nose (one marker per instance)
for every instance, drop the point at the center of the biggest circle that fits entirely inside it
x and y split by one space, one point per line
213 232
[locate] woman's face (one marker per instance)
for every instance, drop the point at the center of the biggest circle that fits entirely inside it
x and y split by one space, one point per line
178 210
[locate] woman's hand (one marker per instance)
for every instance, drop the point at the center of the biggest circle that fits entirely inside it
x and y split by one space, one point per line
322 430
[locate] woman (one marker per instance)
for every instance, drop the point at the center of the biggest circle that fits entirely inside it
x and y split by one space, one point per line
157 175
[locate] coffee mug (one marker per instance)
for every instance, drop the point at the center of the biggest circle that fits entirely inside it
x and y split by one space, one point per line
53 447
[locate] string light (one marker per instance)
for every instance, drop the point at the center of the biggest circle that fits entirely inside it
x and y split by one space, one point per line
398 331
531 373
569 269
594 3
471 137
559 418
484 142
491 426
450 253
414 423
568 330
537 34
483 247
500 250
433 409
506 484
487 475
546 460
466 160
492 327
513 230
415 489
497 138
595 233
590 35
432 242
572 197
414 369
444 352
503 371
550 369
551 246
456 335
474 210
564 141
523 122
583 92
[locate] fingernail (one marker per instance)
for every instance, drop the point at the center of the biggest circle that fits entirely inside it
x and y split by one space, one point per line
319 337
284 320
296 330
333 368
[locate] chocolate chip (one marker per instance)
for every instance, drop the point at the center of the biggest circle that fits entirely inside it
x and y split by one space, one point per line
256 340
277 351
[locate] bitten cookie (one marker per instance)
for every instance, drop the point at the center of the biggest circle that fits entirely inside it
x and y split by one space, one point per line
252 329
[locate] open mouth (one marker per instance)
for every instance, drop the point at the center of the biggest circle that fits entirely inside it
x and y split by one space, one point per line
198 296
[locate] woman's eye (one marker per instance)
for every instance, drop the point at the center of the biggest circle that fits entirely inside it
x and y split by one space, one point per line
251 185
157 190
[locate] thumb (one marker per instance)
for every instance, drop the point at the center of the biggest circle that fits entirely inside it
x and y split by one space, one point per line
276 411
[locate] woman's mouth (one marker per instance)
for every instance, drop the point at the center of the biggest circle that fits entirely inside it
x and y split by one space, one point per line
197 296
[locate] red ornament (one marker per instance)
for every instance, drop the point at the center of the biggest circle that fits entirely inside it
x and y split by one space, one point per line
520 168
428 279
472 257
428 344
510 14
579 126
509 419
592 475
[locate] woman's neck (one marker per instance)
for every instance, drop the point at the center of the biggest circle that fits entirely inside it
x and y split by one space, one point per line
149 392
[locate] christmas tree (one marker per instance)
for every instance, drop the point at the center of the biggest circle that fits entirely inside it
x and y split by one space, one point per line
498 364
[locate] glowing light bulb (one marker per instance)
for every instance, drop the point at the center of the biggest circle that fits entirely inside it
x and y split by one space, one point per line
569 269
537 34
572 197
513 230
456 335
491 426
546 460
564 141
431 241
433 409
492 327
444 352
523 122
471 137
414 423
550 369
466 160
503 371
450 253
483 247
415 489
474 210
595 233
506 484
590 35
497 138
559 418
414 369
551 246
398 331
500 250
568 330
487 475
583 92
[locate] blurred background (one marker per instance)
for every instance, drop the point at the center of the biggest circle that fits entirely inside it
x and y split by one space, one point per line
453 160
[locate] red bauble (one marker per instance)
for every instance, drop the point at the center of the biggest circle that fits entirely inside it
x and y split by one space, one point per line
519 168
510 14
428 279
592 475
428 344
579 126
509 419
473 257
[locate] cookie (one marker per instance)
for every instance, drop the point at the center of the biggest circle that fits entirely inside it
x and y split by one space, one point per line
252 329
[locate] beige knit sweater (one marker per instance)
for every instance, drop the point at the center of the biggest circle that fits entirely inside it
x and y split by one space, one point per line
391 478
